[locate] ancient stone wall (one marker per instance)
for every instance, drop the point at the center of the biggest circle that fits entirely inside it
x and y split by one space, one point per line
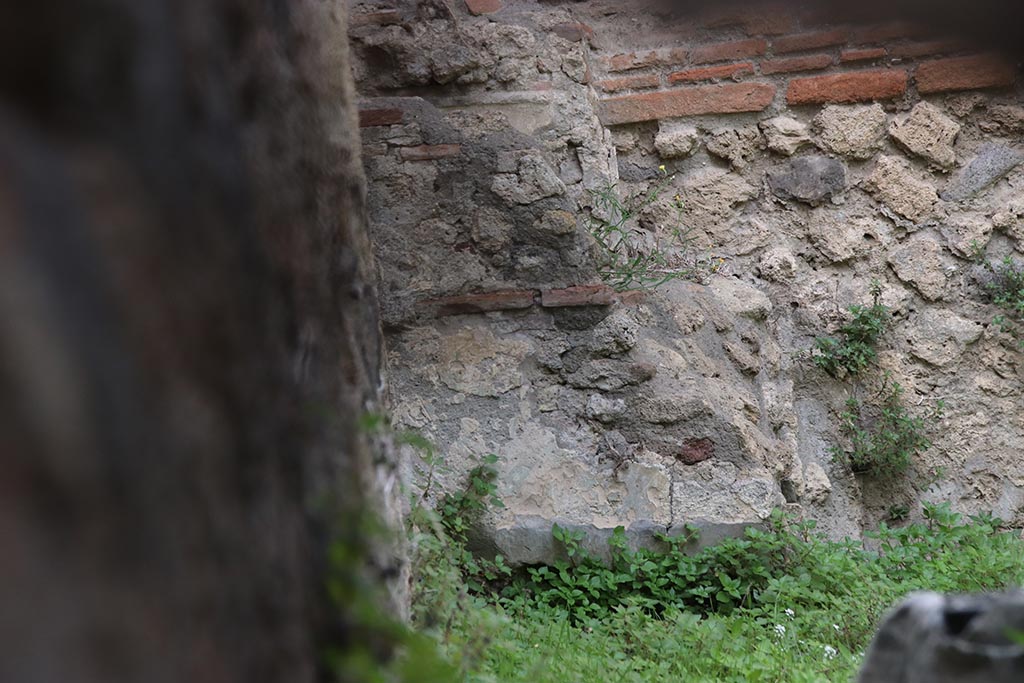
812 155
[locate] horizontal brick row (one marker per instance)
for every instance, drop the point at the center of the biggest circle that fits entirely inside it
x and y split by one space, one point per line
724 98
638 60
707 73
629 83
791 64
519 299
743 50
429 152
862 54
964 73
853 86
722 52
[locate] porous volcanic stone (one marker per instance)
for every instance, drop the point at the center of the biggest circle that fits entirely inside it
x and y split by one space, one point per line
928 133
854 131
785 135
894 184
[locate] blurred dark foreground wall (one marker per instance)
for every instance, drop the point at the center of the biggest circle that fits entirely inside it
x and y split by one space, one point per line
187 336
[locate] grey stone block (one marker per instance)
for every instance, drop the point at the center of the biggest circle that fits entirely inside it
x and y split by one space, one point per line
992 162
811 179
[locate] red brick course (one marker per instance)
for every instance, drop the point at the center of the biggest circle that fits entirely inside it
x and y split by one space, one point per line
429 152
855 86
790 64
721 52
380 117
629 83
808 41
580 295
965 73
482 303
638 60
722 98
706 73
862 54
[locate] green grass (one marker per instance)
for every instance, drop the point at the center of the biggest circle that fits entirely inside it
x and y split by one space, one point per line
780 605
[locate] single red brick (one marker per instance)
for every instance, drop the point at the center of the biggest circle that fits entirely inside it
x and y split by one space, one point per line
721 98
381 18
965 73
573 31
808 41
862 54
790 64
721 52
380 117
638 60
479 7
708 72
429 152
855 86
580 295
934 47
629 83
694 451
504 300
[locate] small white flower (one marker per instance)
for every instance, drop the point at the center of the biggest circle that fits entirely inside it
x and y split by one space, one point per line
780 630
830 652
836 627
790 613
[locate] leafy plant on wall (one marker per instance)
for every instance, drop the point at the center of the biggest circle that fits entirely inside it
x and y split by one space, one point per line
633 258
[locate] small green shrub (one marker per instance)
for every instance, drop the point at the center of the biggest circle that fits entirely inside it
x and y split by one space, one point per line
854 351
883 437
626 261
1005 289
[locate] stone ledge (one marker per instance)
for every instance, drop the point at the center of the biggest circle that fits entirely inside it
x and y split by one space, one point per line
580 295
430 152
505 300
518 299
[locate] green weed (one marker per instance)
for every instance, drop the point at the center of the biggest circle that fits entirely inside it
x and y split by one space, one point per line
1005 289
854 351
885 436
630 258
